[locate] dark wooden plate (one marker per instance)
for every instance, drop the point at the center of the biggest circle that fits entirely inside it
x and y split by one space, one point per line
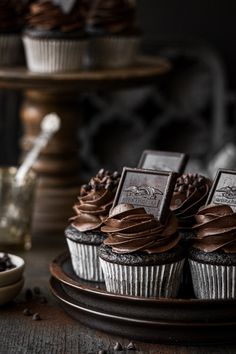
185 321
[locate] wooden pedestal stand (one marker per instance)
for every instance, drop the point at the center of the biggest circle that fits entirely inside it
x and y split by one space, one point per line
58 165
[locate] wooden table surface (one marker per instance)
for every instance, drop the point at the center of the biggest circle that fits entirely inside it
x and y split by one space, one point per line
56 332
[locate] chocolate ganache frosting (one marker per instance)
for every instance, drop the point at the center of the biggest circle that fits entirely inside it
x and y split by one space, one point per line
95 201
132 230
45 15
190 193
111 16
215 229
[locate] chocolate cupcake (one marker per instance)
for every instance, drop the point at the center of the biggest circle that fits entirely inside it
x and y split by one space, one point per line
213 256
11 50
111 25
84 234
190 193
141 257
54 40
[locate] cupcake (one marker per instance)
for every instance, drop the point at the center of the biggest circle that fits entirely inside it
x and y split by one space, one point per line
54 40
213 256
84 234
190 193
11 51
111 25
141 257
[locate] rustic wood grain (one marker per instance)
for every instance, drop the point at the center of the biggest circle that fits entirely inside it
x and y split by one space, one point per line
57 333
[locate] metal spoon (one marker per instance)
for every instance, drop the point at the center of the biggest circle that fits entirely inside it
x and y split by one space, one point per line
49 125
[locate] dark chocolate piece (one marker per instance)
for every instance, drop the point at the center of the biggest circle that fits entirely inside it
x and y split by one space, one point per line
163 161
149 189
223 190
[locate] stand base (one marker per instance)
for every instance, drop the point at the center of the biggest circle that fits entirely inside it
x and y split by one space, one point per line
57 166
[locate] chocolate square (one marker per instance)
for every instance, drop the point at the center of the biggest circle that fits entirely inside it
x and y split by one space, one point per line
149 189
163 161
223 190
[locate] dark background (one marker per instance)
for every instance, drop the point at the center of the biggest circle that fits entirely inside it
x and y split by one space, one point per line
191 110
208 21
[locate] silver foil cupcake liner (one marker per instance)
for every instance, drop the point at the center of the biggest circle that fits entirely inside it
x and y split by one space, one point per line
147 281
213 281
85 261
54 55
113 51
11 50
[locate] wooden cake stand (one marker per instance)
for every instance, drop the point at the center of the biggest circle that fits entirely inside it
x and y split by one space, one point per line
58 165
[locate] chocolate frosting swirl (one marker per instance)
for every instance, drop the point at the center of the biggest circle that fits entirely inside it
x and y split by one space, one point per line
133 230
9 21
215 229
111 16
95 201
44 15
190 193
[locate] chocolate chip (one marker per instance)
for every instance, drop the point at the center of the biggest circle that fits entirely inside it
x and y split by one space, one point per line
6 263
36 317
131 346
27 312
118 347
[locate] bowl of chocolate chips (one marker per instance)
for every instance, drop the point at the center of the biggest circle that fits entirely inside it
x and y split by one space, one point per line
11 276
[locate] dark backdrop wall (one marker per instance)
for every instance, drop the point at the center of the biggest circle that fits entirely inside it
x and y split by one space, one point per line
188 107
209 21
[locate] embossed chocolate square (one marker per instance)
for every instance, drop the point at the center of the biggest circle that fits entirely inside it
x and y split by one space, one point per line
223 190
149 189
163 161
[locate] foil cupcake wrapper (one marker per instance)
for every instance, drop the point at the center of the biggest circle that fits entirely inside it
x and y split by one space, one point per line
113 52
213 281
147 281
50 56
85 261
11 50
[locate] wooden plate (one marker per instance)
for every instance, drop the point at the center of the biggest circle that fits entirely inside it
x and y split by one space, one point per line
185 321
